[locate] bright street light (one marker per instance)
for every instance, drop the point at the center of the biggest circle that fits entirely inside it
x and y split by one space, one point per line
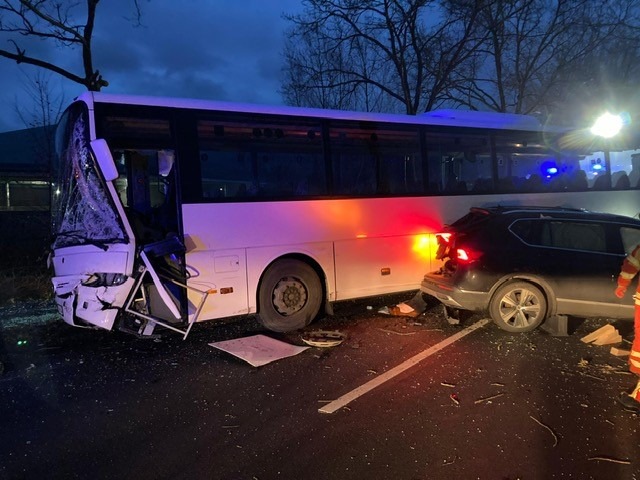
607 125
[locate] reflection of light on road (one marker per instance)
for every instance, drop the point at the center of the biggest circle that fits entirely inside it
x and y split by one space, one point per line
380 379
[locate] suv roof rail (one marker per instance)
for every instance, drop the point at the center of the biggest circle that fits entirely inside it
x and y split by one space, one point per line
527 208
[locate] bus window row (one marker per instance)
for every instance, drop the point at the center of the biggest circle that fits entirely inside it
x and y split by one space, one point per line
252 157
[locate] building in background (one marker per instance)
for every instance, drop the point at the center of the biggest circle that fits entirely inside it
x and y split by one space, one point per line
25 169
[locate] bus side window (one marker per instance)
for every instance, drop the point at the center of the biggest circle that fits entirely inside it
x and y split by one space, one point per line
459 163
243 158
371 159
400 165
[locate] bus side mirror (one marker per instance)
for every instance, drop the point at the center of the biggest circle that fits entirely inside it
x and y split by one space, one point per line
104 159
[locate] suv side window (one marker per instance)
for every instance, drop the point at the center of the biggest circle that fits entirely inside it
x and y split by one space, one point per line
527 230
566 234
630 238
574 235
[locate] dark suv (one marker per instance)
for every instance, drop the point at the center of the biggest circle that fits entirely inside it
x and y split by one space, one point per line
524 264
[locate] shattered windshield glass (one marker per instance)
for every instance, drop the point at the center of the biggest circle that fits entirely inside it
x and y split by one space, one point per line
83 211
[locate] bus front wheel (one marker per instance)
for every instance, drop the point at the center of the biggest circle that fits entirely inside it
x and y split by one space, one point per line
290 296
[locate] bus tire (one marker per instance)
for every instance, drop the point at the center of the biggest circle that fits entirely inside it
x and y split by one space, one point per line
290 296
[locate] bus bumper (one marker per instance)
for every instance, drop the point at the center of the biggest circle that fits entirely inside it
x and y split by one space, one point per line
81 305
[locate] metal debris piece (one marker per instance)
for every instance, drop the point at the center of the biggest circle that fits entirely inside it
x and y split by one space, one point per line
323 338
396 333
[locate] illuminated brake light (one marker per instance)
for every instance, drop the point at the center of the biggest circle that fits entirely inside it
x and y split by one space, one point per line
464 255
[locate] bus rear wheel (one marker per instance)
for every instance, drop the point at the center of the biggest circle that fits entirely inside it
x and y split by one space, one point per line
290 296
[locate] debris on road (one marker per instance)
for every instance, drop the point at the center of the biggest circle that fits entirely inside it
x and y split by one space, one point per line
386 330
620 352
488 399
603 336
454 398
555 437
323 338
611 459
410 308
403 310
584 362
258 350
451 315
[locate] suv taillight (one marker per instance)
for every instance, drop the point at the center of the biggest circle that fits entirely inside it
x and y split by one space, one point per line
467 255
449 246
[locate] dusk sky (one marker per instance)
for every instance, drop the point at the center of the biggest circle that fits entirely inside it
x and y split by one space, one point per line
222 50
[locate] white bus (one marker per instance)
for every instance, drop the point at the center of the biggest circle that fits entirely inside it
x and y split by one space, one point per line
173 211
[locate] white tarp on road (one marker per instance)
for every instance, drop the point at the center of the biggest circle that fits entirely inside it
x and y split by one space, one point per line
258 350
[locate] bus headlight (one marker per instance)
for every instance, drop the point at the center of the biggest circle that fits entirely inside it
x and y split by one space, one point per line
105 280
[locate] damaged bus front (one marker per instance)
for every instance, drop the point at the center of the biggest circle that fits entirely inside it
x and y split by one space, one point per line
92 250
101 277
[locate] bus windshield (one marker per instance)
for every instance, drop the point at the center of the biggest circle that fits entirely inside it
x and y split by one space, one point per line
82 211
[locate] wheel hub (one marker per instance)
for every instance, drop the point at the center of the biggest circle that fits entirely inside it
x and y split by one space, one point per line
289 296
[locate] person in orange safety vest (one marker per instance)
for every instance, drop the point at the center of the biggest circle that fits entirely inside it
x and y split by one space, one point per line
630 267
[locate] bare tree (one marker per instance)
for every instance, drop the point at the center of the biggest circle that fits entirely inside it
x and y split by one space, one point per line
607 77
523 56
46 107
538 49
67 24
395 55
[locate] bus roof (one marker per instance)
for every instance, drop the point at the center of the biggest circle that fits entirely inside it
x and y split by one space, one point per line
457 118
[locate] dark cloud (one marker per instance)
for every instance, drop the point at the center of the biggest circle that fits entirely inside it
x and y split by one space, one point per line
225 49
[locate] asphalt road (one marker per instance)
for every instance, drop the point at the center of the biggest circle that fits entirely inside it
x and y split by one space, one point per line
484 404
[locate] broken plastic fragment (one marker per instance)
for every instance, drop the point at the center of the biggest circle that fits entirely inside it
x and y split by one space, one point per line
323 338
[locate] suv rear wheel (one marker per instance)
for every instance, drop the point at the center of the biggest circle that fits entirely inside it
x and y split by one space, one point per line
518 307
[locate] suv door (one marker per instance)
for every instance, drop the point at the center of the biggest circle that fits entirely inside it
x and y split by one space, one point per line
580 260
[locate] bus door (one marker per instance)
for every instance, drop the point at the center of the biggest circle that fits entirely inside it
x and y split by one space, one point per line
147 188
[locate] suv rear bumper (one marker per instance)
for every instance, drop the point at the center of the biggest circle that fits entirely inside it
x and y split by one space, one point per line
436 285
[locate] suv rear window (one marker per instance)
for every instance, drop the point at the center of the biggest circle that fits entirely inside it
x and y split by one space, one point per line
473 218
